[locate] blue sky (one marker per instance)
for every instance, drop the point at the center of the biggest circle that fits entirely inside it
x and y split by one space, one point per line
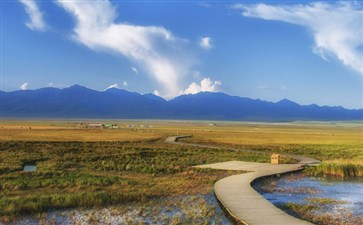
306 51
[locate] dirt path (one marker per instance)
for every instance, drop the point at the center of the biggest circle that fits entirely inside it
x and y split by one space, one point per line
239 198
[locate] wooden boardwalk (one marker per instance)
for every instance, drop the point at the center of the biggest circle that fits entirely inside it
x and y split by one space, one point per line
238 197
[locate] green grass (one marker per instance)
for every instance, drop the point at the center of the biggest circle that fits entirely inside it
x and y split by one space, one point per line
95 168
96 174
324 142
31 203
342 168
339 146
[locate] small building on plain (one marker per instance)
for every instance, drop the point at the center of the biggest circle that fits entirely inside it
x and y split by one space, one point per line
95 125
275 159
110 125
102 125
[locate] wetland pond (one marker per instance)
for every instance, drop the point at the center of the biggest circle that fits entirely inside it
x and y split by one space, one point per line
321 200
30 168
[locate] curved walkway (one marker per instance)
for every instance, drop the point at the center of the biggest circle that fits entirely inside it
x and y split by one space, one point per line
238 197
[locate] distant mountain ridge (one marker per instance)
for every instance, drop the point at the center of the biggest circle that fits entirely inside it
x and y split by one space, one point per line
81 102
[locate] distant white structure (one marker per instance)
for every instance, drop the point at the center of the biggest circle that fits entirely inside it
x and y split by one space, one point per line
95 125
103 125
110 126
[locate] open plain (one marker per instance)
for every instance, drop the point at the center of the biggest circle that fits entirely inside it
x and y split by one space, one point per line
80 167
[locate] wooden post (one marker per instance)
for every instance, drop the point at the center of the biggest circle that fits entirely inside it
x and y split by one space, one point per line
275 158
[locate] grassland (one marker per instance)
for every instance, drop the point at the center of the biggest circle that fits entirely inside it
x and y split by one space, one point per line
69 131
71 174
322 141
338 145
79 167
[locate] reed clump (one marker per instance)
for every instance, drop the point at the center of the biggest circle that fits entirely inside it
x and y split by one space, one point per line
338 168
322 214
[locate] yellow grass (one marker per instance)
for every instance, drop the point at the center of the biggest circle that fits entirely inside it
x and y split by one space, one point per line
75 135
325 141
68 131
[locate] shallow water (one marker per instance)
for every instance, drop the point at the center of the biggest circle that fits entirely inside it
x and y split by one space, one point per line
297 188
195 209
30 168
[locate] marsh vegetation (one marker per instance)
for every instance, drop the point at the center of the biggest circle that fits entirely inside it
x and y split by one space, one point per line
323 201
339 168
181 209
94 169
339 145
98 174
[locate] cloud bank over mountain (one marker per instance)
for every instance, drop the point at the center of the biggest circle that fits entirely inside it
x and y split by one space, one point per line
80 102
167 58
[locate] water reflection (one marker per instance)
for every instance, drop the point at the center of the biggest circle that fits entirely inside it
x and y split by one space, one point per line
300 189
30 168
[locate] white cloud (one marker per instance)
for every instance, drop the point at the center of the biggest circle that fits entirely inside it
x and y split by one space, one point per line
35 15
125 84
336 27
157 93
51 84
205 42
205 85
153 47
135 70
24 86
320 52
112 86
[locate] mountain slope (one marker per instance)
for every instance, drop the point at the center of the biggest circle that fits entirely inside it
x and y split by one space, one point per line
81 102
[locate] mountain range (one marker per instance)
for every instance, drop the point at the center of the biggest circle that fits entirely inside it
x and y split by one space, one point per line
81 102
